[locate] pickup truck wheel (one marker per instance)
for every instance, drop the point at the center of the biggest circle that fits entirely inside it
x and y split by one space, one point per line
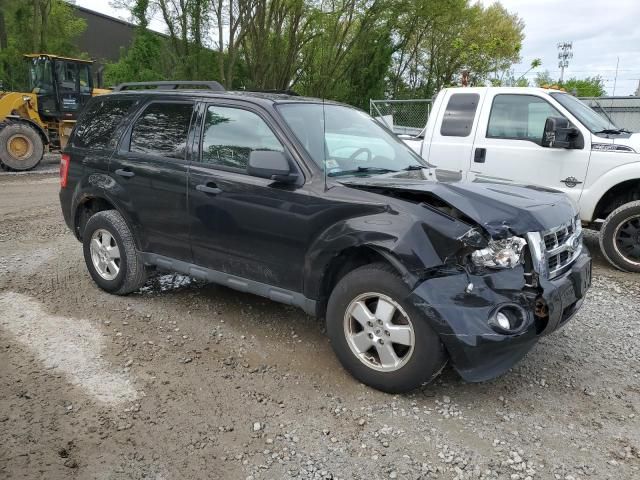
110 254
379 337
620 237
21 147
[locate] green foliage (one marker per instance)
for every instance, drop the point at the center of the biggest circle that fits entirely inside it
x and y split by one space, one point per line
31 26
585 87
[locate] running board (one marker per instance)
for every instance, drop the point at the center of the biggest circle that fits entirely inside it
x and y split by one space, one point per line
237 283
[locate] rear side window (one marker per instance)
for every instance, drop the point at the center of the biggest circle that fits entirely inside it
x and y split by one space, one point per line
99 122
459 115
162 130
231 134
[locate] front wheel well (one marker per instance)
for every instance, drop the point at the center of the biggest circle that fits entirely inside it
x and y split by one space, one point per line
625 192
86 209
343 263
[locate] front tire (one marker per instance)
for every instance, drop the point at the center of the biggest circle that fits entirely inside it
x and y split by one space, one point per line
110 254
21 146
380 337
620 237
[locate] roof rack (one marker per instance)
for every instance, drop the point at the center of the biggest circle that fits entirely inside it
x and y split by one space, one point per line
169 85
276 91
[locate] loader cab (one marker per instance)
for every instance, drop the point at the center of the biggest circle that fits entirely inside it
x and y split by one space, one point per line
63 85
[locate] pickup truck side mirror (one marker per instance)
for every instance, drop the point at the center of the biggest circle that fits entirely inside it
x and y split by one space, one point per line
559 134
272 165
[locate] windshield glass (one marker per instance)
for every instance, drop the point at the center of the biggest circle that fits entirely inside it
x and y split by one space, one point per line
589 118
41 79
350 142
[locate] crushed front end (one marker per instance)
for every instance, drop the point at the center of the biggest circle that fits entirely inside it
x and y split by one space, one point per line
490 311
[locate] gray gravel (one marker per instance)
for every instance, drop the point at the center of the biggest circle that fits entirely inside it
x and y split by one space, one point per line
187 381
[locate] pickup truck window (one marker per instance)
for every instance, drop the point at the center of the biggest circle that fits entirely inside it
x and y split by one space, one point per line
519 117
459 115
231 134
162 130
591 119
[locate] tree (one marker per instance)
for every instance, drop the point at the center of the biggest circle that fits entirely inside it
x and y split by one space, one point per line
586 87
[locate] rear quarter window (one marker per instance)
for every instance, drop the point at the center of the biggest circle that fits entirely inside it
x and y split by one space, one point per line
459 115
98 123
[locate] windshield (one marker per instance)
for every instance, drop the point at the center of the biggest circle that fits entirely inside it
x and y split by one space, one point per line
350 142
595 122
41 78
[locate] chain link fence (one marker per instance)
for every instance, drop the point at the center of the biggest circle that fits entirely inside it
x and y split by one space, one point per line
406 117
624 112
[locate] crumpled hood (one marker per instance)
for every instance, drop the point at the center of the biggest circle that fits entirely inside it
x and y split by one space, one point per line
502 210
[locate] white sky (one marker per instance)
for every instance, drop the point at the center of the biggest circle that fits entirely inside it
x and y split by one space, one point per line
600 31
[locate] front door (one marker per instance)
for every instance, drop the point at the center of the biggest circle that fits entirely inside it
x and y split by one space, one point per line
246 226
150 168
510 149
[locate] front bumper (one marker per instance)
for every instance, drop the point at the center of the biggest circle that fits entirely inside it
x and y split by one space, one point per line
460 317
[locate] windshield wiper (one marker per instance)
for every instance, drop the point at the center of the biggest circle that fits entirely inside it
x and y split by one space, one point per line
612 131
414 167
361 170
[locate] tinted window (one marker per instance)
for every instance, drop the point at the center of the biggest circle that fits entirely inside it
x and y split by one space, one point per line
231 134
459 115
519 117
162 130
99 122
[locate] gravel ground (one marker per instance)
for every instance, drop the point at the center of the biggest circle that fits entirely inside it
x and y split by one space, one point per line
190 381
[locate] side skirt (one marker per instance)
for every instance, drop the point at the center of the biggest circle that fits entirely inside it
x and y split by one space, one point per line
237 283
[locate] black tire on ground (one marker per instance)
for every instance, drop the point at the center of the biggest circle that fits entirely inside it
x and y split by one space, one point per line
428 357
132 273
21 146
620 237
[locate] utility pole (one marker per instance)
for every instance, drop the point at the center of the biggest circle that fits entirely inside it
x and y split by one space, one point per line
565 52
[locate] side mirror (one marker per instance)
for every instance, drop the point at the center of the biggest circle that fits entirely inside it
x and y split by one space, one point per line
559 134
271 165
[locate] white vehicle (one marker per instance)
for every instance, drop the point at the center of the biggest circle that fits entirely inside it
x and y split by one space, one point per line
541 137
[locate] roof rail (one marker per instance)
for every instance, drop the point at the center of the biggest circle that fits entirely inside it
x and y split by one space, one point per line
169 85
276 91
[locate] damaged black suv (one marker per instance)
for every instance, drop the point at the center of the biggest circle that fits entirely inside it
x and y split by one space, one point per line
315 204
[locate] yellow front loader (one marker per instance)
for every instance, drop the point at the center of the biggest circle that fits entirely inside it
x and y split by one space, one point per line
42 119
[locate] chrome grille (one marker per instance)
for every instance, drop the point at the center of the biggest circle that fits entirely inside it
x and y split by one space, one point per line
555 250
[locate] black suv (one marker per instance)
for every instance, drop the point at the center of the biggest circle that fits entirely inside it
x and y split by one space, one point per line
315 204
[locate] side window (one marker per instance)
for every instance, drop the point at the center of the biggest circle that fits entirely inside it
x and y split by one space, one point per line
459 115
99 122
231 134
162 130
519 117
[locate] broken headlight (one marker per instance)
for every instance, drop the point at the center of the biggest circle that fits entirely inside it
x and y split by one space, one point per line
505 253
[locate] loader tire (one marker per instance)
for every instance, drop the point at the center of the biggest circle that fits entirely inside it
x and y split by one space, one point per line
21 146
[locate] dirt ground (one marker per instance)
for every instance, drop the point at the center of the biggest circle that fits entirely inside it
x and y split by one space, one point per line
189 381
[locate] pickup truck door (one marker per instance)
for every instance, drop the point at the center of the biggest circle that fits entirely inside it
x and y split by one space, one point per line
451 143
508 145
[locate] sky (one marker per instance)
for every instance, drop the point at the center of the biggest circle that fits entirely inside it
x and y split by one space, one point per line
601 32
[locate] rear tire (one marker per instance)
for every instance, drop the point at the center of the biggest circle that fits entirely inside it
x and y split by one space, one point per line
620 237
21 146
111 255
404 351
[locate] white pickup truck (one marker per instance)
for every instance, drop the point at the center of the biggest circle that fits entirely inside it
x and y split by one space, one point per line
541 137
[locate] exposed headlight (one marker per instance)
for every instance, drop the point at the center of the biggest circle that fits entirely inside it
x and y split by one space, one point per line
505 253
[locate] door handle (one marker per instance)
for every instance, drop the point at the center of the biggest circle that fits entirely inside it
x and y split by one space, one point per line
480 155
209 188
124 172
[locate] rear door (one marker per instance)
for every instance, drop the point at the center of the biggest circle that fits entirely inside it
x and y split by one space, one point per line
509 149
150 171
452 141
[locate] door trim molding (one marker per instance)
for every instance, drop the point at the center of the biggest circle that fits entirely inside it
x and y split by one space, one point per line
198 272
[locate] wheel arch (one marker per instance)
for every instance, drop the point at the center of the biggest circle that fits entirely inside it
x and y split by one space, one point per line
17 119
616 196
90 204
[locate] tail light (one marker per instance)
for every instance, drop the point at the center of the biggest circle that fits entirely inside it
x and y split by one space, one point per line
65 159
